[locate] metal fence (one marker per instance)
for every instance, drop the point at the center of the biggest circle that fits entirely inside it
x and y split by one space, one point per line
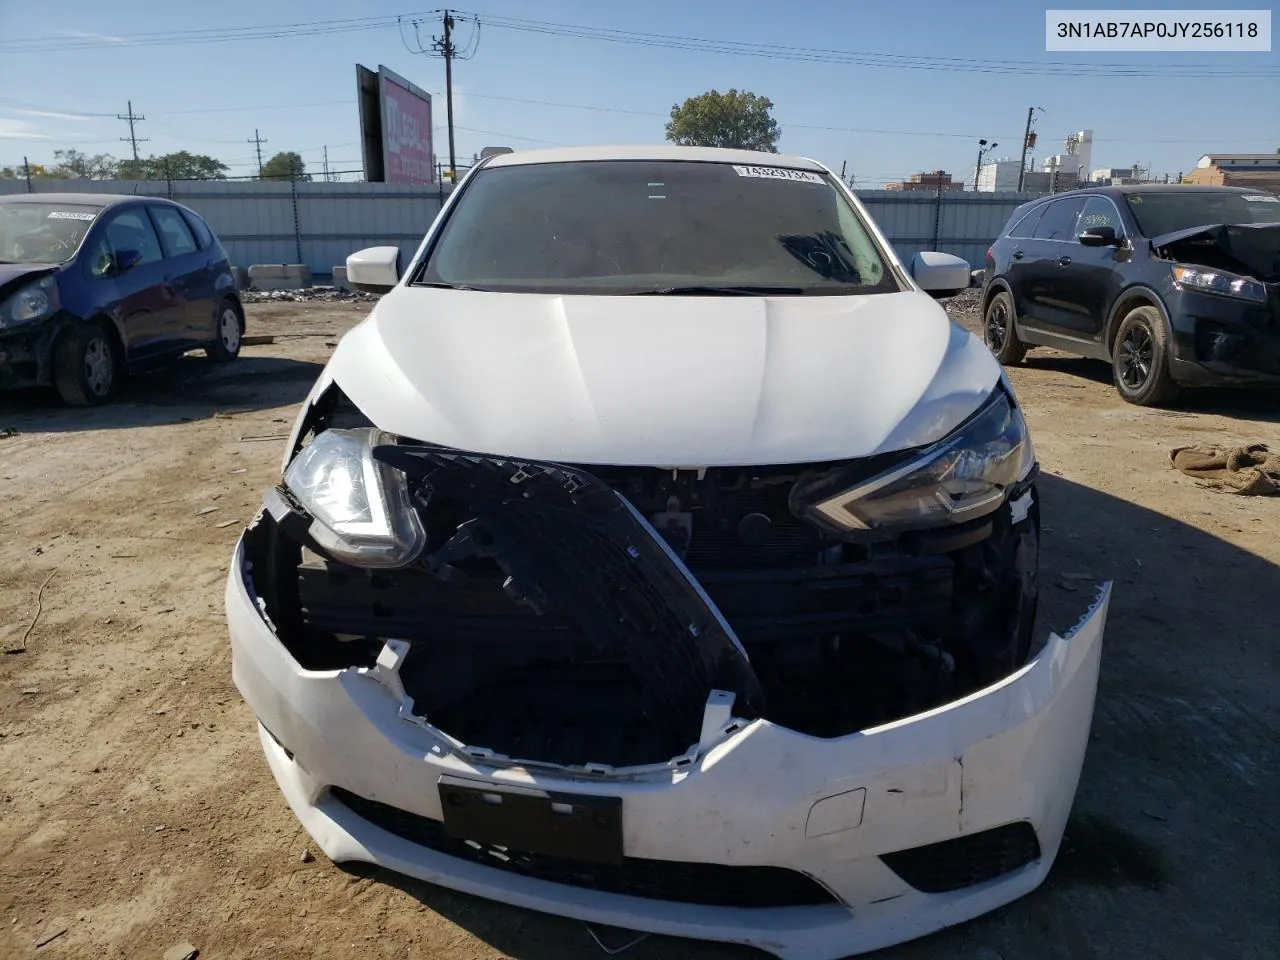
320 223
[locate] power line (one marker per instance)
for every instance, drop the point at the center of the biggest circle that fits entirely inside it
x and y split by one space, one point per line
132 139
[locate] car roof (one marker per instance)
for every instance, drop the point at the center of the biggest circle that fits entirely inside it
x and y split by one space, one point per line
655 152
100 200
1133 188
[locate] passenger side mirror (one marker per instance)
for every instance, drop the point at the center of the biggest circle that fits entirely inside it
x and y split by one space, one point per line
940 274
124 261
1099 237
375 269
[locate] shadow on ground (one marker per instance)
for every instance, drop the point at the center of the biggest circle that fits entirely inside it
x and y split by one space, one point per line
1248 403
189 388
1172 843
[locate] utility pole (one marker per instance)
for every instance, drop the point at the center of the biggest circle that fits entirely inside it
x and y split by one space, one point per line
26 169
1028 141
448 51
326 163
257 141
132 138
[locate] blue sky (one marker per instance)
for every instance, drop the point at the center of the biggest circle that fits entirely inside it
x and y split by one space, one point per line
299 91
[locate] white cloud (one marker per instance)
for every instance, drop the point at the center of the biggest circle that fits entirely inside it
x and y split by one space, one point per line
100 37
18 130
53 114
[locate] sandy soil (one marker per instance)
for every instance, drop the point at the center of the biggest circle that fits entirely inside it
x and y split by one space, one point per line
136 811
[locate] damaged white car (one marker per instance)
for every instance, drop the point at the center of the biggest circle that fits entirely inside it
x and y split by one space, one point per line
658 554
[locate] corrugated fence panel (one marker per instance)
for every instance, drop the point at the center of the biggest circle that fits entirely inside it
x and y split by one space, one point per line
321 223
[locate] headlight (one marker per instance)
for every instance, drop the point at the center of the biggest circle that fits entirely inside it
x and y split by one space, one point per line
961 477
362 508
35 301
1218 281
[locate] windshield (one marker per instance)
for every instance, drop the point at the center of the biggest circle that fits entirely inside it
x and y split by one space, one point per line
1161 213
637 227
43 232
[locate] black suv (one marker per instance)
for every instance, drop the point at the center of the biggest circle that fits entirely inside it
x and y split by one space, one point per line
1172 284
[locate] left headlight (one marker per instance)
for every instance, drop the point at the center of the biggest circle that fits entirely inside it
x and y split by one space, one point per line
35 301
962 477
363 513
1219 282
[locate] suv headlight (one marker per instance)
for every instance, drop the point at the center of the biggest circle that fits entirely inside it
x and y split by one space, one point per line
959 478
1219 282
35 301
363 513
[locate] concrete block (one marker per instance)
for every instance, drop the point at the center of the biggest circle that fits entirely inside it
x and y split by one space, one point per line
340 279
279 276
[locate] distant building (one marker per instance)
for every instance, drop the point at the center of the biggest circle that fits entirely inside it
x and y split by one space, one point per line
1114 176
998 176
1040 181
1078 158
1259 170
928 182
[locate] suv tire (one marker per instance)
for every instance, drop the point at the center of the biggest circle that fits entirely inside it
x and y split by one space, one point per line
998 331
1140 359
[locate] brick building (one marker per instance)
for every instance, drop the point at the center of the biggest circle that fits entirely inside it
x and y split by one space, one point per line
927 181
1258 170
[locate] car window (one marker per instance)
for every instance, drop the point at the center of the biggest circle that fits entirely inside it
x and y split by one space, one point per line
633 227
1026 227
174 232
43 232
1160 212
1099 212
132 230
1059 220
200 229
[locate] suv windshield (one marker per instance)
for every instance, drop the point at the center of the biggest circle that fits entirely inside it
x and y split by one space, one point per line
43 232
1161 213
652 227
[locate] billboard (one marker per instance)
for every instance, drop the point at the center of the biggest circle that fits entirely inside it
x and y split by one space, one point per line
395 128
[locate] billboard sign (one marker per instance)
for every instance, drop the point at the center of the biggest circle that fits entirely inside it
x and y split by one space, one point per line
395 122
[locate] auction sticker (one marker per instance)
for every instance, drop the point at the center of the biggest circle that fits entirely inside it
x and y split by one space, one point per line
777 173
70 215
1261 198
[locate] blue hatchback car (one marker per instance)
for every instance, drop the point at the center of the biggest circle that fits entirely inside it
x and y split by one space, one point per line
93 286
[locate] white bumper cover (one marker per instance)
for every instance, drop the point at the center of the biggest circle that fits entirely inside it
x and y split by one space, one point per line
763 796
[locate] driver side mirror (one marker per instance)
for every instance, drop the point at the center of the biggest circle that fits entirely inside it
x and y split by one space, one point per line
124 261
940 274
375 269
1099 237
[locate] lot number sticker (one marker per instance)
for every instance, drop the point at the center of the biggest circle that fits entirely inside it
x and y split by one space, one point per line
70 215
1262 198
777 173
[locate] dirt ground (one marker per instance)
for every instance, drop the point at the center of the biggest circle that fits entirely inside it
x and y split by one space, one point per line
136 811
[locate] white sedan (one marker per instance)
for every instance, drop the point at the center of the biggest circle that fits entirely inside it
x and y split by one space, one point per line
657 553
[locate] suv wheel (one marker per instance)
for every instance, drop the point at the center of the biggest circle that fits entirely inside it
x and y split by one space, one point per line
1140 359
998 332
85 367
230 330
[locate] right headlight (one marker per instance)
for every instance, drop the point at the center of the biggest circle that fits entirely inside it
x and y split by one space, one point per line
35 301
363 513
1219 282
962 477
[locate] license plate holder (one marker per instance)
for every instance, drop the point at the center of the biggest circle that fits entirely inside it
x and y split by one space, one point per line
532 820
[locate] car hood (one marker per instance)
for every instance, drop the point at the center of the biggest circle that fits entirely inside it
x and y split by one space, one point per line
13 275
663 381
1254 248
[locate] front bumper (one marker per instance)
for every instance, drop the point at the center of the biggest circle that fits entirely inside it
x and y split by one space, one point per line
762 796
1219 340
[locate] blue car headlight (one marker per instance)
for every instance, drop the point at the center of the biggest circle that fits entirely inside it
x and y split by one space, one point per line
34 302
964 476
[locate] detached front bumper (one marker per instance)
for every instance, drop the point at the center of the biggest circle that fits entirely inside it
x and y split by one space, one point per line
761 804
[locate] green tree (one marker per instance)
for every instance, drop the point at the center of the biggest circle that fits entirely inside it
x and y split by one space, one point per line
285 165
733 119
174 166
74 165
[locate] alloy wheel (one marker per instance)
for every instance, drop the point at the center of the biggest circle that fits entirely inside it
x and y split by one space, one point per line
1137 351
997 326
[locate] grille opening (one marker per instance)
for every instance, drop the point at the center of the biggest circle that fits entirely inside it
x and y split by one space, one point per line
968 860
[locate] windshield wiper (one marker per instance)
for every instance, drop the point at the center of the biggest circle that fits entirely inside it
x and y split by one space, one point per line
713 291
444 286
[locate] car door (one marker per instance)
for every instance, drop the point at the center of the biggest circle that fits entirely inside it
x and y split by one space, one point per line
1052 245
1087 283
128 263
186 273
1021 257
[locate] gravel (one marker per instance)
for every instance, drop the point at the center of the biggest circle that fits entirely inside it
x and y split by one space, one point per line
309 294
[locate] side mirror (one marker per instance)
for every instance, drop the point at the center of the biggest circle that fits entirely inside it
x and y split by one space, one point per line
940 274
375 269
1099 237
125 260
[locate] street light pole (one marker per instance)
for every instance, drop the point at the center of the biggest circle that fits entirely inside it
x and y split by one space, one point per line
982 149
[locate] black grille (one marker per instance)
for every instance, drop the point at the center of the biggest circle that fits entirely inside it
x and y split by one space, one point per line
965 861
705 884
